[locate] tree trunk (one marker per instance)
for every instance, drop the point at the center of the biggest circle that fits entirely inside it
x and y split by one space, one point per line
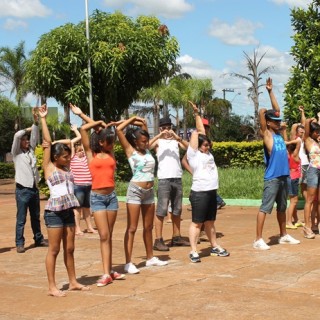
185 133
156 109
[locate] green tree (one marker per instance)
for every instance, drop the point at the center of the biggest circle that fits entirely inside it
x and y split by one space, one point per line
126 55
303 87
12 74
254 76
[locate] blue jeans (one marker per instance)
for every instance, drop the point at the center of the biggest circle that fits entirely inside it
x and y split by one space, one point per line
28 198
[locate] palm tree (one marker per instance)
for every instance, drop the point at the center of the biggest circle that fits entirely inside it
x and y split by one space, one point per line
12 70
254 76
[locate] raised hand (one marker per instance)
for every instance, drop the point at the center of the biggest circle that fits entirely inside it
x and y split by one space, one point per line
269 84
43 111
194 107
74 127
75 110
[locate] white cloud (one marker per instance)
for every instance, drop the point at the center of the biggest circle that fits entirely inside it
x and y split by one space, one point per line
23 8
11 24
241 33
294 3
241 103
166 9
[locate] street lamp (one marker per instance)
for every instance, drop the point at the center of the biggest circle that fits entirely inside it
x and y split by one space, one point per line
89 62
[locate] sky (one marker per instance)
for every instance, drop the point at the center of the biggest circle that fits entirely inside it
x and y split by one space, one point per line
212 34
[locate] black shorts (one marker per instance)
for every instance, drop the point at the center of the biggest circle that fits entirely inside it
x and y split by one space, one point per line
204 205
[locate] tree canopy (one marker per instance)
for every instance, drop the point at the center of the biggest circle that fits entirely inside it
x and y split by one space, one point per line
303 87
126 55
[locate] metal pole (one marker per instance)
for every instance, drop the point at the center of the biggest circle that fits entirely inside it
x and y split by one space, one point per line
89 63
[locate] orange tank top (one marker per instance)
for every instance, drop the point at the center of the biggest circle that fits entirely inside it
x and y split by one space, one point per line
102 172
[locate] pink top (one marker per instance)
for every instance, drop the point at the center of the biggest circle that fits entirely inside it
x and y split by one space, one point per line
80 170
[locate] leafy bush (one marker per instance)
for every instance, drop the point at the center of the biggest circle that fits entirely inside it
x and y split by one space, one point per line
6 170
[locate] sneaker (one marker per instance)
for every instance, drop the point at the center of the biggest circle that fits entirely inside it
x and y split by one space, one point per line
116 275
221 205
260 245
299 224
179 242
287 239
219 252
104 280
131 268
21 249
159 245
155 261
42 243
194 257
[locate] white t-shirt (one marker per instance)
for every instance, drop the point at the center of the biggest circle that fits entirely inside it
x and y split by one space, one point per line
205 172
302 154
169 165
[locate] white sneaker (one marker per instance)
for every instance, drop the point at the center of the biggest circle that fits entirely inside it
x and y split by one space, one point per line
155 261
260 245
287 239
131 268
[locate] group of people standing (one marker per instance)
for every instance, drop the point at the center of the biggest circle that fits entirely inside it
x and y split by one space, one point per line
82 175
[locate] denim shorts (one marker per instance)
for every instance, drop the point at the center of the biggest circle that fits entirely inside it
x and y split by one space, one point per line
59 219
275 190
304 170
104 202
204 205
313 177
169 190
82 193
293 187
138 195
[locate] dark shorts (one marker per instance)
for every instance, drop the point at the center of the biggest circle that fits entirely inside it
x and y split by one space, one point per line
59 219
275 190
304 170
204 205
82 193
169 191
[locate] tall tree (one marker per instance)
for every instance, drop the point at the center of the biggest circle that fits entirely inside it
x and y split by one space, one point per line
303 87
126 55
254 76
12 71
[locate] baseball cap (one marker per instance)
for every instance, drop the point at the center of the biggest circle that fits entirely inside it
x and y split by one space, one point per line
273 115
205 122
165 121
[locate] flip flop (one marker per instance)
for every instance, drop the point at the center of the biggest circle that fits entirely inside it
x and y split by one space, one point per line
291 227
58 294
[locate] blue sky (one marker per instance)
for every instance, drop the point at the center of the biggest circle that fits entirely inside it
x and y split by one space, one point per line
212 34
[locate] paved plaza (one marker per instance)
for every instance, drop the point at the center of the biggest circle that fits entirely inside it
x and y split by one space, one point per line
281 283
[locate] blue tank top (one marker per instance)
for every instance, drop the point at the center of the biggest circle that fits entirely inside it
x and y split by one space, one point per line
277 163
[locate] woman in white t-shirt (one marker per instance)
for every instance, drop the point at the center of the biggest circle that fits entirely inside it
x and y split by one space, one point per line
203 194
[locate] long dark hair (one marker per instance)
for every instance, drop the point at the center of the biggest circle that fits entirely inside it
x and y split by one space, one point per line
57 150
133 134
106 134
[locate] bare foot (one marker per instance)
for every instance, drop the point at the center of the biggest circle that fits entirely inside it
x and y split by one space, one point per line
79 233
92 231
79 287
56 293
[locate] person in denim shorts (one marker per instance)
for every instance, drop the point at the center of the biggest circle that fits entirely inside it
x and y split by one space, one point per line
140 194
58 215
276 172
103 199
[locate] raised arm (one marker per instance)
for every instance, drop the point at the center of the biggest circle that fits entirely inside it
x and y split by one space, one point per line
77 111
307 128
34 136
43 111
303 116
15 148
263 122
185 164
199 124
76 139
284 134
293 131
274 102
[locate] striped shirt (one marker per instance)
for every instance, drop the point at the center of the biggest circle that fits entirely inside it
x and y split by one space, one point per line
80 170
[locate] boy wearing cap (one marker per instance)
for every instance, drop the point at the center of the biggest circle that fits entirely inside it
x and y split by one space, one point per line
276 172
166 145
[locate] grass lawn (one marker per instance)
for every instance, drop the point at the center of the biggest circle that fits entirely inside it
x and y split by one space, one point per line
234 183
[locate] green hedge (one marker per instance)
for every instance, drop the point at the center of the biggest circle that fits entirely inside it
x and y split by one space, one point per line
6 170
226 154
